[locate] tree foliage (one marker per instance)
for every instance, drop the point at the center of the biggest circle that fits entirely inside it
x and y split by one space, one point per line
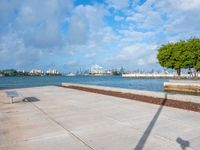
179 55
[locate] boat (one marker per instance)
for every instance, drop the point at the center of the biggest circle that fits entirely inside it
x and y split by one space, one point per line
70 74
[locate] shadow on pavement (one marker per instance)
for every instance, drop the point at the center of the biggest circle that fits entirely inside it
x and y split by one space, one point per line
30 99
183 143
148 130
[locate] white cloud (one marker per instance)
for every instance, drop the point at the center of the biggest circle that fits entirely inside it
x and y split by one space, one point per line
118 4
87 29
153 20
31 28
118 18
181 18
141 62
39 22
135 36
6 13
14 53
186 5
136 56
145 16
85 21
33 31
136 17
173 19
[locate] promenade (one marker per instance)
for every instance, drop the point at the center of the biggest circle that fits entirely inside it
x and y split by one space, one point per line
58 118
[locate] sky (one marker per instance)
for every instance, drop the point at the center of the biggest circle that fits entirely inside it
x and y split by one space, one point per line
74 34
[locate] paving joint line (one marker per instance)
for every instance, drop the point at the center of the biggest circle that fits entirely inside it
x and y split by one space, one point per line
52 119
28 139
155 135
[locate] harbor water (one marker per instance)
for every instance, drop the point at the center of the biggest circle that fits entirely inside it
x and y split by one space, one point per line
111 81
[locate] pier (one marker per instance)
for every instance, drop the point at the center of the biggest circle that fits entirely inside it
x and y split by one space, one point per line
151 75
138 75
183 86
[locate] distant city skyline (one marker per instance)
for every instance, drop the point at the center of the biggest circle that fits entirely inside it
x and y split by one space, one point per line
71 34
94 69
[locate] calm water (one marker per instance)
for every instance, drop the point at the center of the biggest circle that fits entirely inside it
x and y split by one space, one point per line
112 81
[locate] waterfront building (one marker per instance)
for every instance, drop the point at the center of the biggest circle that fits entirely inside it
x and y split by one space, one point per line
99 71
96 69
36 72
52 72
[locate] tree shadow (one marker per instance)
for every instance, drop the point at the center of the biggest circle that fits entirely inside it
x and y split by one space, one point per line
30 99
148 130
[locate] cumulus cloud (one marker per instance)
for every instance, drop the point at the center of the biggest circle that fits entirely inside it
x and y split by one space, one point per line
136 36
87 29
14 53
30 28
186 5
118 18
136 17
41 33
84 21
181 19
118 4
39 22
138 55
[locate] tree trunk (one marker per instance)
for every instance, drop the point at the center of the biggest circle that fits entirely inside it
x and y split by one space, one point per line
195 73
179 73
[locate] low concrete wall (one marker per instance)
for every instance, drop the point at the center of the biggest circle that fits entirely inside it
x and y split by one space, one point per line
180 97
137 75
185 81
183 86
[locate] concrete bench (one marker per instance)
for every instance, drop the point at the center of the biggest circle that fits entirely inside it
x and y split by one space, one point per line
12 95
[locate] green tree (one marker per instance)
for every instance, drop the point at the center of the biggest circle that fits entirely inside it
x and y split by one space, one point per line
182 54
194 49
169 56
10 72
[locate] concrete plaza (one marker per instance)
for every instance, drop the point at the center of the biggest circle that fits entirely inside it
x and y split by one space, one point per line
57 118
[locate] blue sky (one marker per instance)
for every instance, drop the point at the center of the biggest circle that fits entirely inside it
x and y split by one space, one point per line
69 35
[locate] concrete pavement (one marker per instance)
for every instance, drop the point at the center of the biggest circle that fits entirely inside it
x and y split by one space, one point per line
172 96
60 118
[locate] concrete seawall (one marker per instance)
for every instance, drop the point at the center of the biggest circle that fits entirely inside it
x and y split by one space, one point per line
182 86
180 97
168 76
149 75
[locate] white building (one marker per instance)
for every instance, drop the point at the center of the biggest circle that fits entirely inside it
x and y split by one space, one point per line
52 71
96 69
36 72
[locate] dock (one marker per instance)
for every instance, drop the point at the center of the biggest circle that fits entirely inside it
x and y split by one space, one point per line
159 75
138 75
183 86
